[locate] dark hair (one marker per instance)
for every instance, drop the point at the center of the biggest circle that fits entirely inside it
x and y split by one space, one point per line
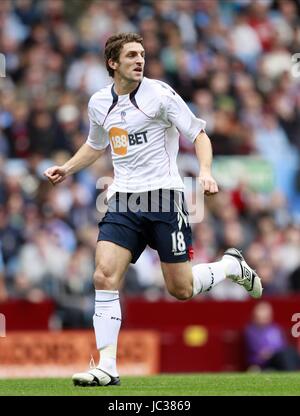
114 45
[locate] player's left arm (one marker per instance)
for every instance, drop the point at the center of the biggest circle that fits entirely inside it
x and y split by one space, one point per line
204 154
189 125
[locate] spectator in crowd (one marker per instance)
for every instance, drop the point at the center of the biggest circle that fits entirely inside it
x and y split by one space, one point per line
294 282
74 304
266 344
3 292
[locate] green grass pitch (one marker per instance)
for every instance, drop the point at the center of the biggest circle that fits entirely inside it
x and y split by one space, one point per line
229 384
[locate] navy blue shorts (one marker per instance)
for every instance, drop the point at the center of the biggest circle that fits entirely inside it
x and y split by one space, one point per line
155 218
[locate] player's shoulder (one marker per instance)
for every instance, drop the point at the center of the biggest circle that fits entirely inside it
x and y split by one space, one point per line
158 87
152 96
102 98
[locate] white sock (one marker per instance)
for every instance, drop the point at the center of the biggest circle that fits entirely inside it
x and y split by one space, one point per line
107 323
208 275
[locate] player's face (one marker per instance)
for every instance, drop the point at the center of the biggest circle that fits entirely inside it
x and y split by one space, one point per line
131 62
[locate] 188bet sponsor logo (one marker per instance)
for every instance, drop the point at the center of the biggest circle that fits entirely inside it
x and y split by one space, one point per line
120 140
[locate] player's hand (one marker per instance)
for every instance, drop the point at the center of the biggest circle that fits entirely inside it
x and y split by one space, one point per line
209 185
55 174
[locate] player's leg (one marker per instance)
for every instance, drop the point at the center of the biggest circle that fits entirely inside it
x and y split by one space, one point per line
179 279
112 262
172 237
184 281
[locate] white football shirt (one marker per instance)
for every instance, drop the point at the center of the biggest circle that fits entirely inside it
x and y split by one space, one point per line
142 130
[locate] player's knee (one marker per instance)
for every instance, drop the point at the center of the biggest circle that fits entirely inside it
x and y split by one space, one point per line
103 278
181 293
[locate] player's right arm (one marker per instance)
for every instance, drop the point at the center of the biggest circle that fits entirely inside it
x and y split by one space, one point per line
84 157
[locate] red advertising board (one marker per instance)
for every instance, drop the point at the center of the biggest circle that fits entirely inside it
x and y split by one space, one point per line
61 353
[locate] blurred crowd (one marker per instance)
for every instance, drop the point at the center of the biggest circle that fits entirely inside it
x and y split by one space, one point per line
232 63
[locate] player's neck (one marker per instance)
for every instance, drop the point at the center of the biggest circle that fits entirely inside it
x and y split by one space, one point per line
123 87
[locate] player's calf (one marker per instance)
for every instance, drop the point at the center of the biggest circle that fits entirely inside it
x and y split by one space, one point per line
181 293
179 279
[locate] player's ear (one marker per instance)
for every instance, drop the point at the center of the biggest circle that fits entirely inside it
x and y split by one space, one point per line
112 64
